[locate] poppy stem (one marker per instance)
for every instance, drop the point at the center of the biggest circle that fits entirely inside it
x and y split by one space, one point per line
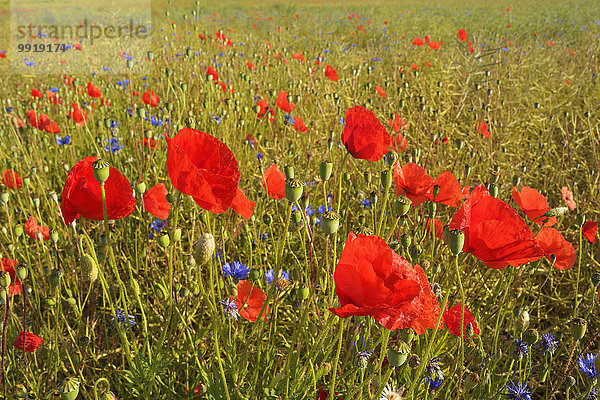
340 178
578 270
337 357
385 200
462 322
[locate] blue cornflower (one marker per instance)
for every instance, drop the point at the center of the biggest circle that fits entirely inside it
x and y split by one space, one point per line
217 119
433 368
259 155
362 358
288 119
270 274
113 145
548 343
236 270
365 203
593 394
155 121
230 308
218 255
435 383
62 142
9 109
264 236
125 319
341 120
322 209
587 366
521 348
516 391
158 225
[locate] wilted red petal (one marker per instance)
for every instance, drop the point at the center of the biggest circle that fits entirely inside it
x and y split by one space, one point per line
553 242
364 136
274 182
203 167
81 194
533 204
567 196
155 201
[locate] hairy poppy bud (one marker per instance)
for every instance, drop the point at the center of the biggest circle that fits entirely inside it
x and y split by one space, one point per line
330 222
406 241
386 179
302 293
164 241
325 170
175 234
140 187
516 180
101 170
493 188
596 278
204 248
578 327
556 212
580 219
522 322
18 230
432 208
69 388
288 170
459 144
531 336
456 241
293 189
22 272
267 219
397 353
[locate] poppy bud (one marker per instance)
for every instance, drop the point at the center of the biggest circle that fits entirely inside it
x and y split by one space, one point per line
22 272
141 112
175 234
578 327
164 241
362 230
368 177
556 212
302 293
169 106
415 250
297 217
293 189
330 222
140 187
54 236
432 208
69 388
397 354
386 179
18 230
101 170
36 202
288 170
325 170
552 259
55 277
436 191
459 144
596 278
405 241
580 219
469 330
204 248
4 279
516 180
531 336
456 241
170 198
493 190
267 219
391 157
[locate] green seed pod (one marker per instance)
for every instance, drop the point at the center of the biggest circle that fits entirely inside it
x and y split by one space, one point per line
362 230
140 187
386 179
401 206
407 335
4 279
405 241
330 222
578 327
50 303
296 217
398 353
55 277
456 240
293 189
432 207
302 293
54 236
101 170
69 388
18 230
164 241
22 272
391 157
325 170
531 336
175 235
204 248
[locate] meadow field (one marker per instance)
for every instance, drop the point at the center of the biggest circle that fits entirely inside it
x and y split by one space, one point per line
303 200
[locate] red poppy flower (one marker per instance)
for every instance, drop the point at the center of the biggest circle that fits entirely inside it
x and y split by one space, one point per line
439 227
589 231
494 232
364 136
9 265
151 143
52 127
32 227
452 319
93 91
11 179
299 125
483 129
298 56
250 300
415 67
283 103
264 109
462 35
274 182
567 196
380 91
418 41
399 142
77 114
371 279
40 122
331 73
553 242
242 205
412 181
203 167
150 98
29 341
434 45
450 192
249 65
533 204
81 194
155 201
398 123
36 93
212 72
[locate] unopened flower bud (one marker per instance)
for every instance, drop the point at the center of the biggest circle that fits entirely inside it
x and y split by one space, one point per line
140 187
522 321
556 212
578 327
391 157
456 241
580 219
4 279
204 248
89 268
325 170
289 172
